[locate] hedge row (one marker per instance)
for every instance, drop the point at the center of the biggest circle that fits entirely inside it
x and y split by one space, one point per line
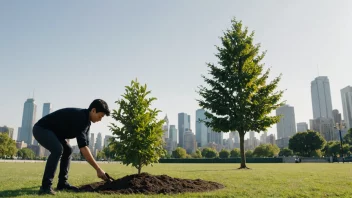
219 160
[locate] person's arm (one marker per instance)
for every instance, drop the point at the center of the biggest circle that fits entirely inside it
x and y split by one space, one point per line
83 142
88 156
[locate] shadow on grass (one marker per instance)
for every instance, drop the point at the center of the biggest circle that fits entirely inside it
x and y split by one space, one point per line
20 192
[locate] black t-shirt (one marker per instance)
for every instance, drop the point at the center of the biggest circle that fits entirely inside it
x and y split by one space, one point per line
68 123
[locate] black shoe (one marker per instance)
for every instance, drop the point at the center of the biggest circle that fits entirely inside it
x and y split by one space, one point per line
46 191
67 186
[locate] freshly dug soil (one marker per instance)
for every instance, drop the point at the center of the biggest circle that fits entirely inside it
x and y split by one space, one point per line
151 184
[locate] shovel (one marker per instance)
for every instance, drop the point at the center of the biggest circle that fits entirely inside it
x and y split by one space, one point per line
93 187
110 179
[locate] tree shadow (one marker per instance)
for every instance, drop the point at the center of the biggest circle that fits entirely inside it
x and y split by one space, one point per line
20 192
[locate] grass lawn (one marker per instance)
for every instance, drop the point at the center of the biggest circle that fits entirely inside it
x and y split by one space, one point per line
262 180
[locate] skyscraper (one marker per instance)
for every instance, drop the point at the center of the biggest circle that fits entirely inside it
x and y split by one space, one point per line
171 142
166 128
201 128
263 137
99 142
236 137
215 137
336 115
287 125
321 97
28 120
325 126
190 144
302 127
346 96
8 130
183 125
91 143
173 133
46 109
251 135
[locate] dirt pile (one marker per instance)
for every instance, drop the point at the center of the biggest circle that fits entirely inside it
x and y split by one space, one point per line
151 184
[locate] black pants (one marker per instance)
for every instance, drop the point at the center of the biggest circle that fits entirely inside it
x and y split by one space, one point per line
58 149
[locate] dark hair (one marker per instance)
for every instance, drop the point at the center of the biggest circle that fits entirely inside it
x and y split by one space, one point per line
100 106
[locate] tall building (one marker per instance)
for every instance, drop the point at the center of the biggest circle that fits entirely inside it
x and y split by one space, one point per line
7 130
183 125
215 137
46 109
302 127
251 134
270 139
336 115
28 119
190 144
236 137
282 142
321 98
91 143
99 142
311 122
263 137
173 133
166 128
325 126
287 125
346 96
201 128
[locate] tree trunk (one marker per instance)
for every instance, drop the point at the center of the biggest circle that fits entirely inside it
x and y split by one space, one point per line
243 157
139 170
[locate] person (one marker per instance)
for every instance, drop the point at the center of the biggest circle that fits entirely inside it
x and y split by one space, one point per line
52 132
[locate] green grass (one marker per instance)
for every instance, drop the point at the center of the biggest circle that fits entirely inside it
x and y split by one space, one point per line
262 180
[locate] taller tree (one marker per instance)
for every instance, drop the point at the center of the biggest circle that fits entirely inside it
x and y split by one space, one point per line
237 96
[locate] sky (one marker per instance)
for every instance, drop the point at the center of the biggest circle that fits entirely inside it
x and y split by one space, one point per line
69 53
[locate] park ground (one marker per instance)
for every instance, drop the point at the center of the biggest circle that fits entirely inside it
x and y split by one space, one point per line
262 180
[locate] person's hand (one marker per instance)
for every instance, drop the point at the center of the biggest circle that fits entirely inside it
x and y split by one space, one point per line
101 174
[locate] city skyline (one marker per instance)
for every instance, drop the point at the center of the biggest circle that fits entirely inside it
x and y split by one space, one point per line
80 58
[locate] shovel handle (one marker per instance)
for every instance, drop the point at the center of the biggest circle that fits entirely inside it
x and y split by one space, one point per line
108 176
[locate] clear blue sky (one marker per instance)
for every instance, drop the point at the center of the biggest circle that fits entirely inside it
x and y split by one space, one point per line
72 52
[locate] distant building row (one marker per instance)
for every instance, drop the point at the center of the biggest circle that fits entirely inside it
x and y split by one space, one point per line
324 119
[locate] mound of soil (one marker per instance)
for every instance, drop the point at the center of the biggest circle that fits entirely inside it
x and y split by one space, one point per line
151 184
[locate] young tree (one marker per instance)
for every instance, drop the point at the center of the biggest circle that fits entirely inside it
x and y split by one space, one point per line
140 136
237 96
